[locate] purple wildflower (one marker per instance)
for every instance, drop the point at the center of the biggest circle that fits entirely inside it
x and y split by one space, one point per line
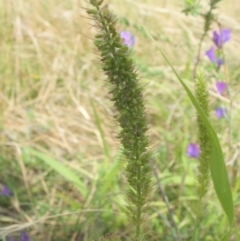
193 150
212 56
11 238
221 87
128 38
24 236
220 112
222 37
5 191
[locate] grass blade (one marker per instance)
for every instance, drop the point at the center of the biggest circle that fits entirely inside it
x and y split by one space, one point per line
64 171
217 164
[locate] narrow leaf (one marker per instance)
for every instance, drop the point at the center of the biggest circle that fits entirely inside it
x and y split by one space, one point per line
64 171
217 164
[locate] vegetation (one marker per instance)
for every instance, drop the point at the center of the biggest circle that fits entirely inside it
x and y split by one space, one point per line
62 171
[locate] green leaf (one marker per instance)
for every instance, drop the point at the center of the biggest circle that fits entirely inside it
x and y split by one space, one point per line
64 171
227 236
217 164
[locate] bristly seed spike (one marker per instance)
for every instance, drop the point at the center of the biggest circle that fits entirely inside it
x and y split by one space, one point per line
126 93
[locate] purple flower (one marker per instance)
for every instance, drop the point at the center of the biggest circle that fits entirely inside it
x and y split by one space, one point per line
220 112
128 38
221 87
193 150
5 191
24 236
213 58
11 238
222 37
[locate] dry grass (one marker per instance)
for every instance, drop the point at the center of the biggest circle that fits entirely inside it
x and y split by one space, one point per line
51 57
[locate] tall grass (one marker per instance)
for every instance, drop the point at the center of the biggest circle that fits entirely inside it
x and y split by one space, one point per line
60 157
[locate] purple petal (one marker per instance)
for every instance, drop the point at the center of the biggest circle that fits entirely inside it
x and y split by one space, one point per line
193 150
128 38
220 112
11 238
5 191
222 37
24 236
211 54
216 38
226 35
221 87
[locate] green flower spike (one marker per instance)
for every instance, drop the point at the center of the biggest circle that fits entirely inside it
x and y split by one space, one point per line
204 140
127 96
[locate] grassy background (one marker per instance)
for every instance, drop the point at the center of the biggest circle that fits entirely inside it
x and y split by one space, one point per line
58 149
